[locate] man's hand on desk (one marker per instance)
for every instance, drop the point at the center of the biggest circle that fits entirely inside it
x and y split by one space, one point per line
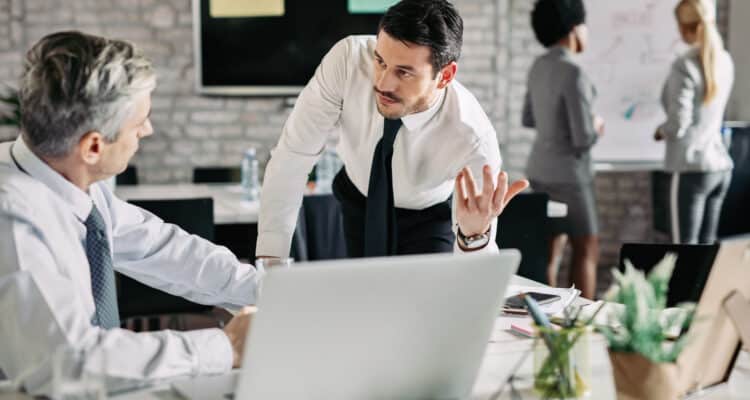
476 210
236 331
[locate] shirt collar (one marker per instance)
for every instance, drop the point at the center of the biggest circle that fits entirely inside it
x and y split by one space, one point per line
415 121
79 201
560 51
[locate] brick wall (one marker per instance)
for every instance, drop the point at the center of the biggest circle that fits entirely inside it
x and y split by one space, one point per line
190 130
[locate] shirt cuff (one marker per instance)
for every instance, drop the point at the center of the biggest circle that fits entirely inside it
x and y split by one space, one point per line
273 244
213 350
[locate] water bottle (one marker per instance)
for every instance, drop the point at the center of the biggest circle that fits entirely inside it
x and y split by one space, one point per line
250 185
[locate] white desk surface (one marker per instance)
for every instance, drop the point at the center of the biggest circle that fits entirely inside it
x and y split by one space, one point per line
229 206
503 352
628 166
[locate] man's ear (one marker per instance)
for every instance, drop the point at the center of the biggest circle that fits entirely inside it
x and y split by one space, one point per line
447 74
90 147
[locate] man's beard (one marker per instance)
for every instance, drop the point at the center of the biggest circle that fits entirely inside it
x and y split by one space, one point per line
382 107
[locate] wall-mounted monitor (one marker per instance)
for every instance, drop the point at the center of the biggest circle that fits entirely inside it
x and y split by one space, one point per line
272 47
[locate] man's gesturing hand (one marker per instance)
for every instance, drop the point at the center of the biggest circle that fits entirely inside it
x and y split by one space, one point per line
476 210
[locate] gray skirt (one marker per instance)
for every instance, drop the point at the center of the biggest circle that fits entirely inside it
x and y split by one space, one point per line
581 219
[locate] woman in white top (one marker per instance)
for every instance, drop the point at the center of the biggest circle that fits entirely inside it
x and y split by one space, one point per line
694 98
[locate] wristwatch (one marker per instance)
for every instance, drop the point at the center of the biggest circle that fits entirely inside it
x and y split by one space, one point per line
473 242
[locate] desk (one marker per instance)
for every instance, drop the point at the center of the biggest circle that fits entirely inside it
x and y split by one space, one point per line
505 350
502 353
236 219
229 206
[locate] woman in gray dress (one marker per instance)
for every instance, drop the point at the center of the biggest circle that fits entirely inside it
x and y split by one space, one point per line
559 105
695 96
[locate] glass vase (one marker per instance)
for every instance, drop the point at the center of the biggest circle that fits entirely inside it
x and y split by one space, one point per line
564 373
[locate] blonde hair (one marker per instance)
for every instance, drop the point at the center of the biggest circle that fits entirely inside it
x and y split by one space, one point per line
699 17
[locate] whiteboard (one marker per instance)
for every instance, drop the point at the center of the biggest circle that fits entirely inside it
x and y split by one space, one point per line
739 32
632 45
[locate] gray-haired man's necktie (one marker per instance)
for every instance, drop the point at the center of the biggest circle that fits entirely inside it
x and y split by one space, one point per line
106 314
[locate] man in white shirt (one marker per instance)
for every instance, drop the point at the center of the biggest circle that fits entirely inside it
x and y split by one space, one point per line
408 134
85 104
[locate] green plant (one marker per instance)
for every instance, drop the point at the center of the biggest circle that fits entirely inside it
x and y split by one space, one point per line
640 326
10 107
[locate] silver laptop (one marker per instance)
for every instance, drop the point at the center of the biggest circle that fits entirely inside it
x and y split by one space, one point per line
412 327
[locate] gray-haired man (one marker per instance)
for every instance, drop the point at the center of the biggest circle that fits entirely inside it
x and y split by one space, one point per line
85 104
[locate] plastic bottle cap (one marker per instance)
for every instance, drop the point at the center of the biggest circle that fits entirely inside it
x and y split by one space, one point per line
250 151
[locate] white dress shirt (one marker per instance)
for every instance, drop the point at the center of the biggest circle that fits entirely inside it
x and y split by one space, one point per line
339 103
45 284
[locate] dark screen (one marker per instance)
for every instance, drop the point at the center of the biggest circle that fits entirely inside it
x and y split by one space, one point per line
691 271
276 51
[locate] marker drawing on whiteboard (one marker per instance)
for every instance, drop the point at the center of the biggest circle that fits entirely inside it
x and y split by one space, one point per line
630 111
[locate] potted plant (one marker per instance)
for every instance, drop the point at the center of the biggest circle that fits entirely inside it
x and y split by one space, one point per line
10 107
643 360
10 113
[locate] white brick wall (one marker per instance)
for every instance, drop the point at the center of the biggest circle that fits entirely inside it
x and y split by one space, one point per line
498 48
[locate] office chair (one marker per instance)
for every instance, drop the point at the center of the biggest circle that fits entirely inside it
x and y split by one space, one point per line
319 234
127 177
524 225
217 175
660 182
694 262
238 238
738 195
136 300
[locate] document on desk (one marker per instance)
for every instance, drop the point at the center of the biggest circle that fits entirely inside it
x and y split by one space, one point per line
555 308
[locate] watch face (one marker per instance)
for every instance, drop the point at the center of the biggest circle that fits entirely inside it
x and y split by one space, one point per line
475 241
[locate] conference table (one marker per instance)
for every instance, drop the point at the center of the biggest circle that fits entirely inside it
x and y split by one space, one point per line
229 205
319 232
504 351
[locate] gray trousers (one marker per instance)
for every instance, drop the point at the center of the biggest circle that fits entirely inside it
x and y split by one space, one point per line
695 200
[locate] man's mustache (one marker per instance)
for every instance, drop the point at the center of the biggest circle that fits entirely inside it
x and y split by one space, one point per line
388 95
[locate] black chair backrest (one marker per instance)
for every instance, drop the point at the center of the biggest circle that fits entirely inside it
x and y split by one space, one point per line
523 225
694 262
319 234
195 216
660 182
127 177
738 196
217 175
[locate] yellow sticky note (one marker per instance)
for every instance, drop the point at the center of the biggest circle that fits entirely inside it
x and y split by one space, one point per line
246 8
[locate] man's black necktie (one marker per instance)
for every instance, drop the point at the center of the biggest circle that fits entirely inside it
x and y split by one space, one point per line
106 314
380 214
